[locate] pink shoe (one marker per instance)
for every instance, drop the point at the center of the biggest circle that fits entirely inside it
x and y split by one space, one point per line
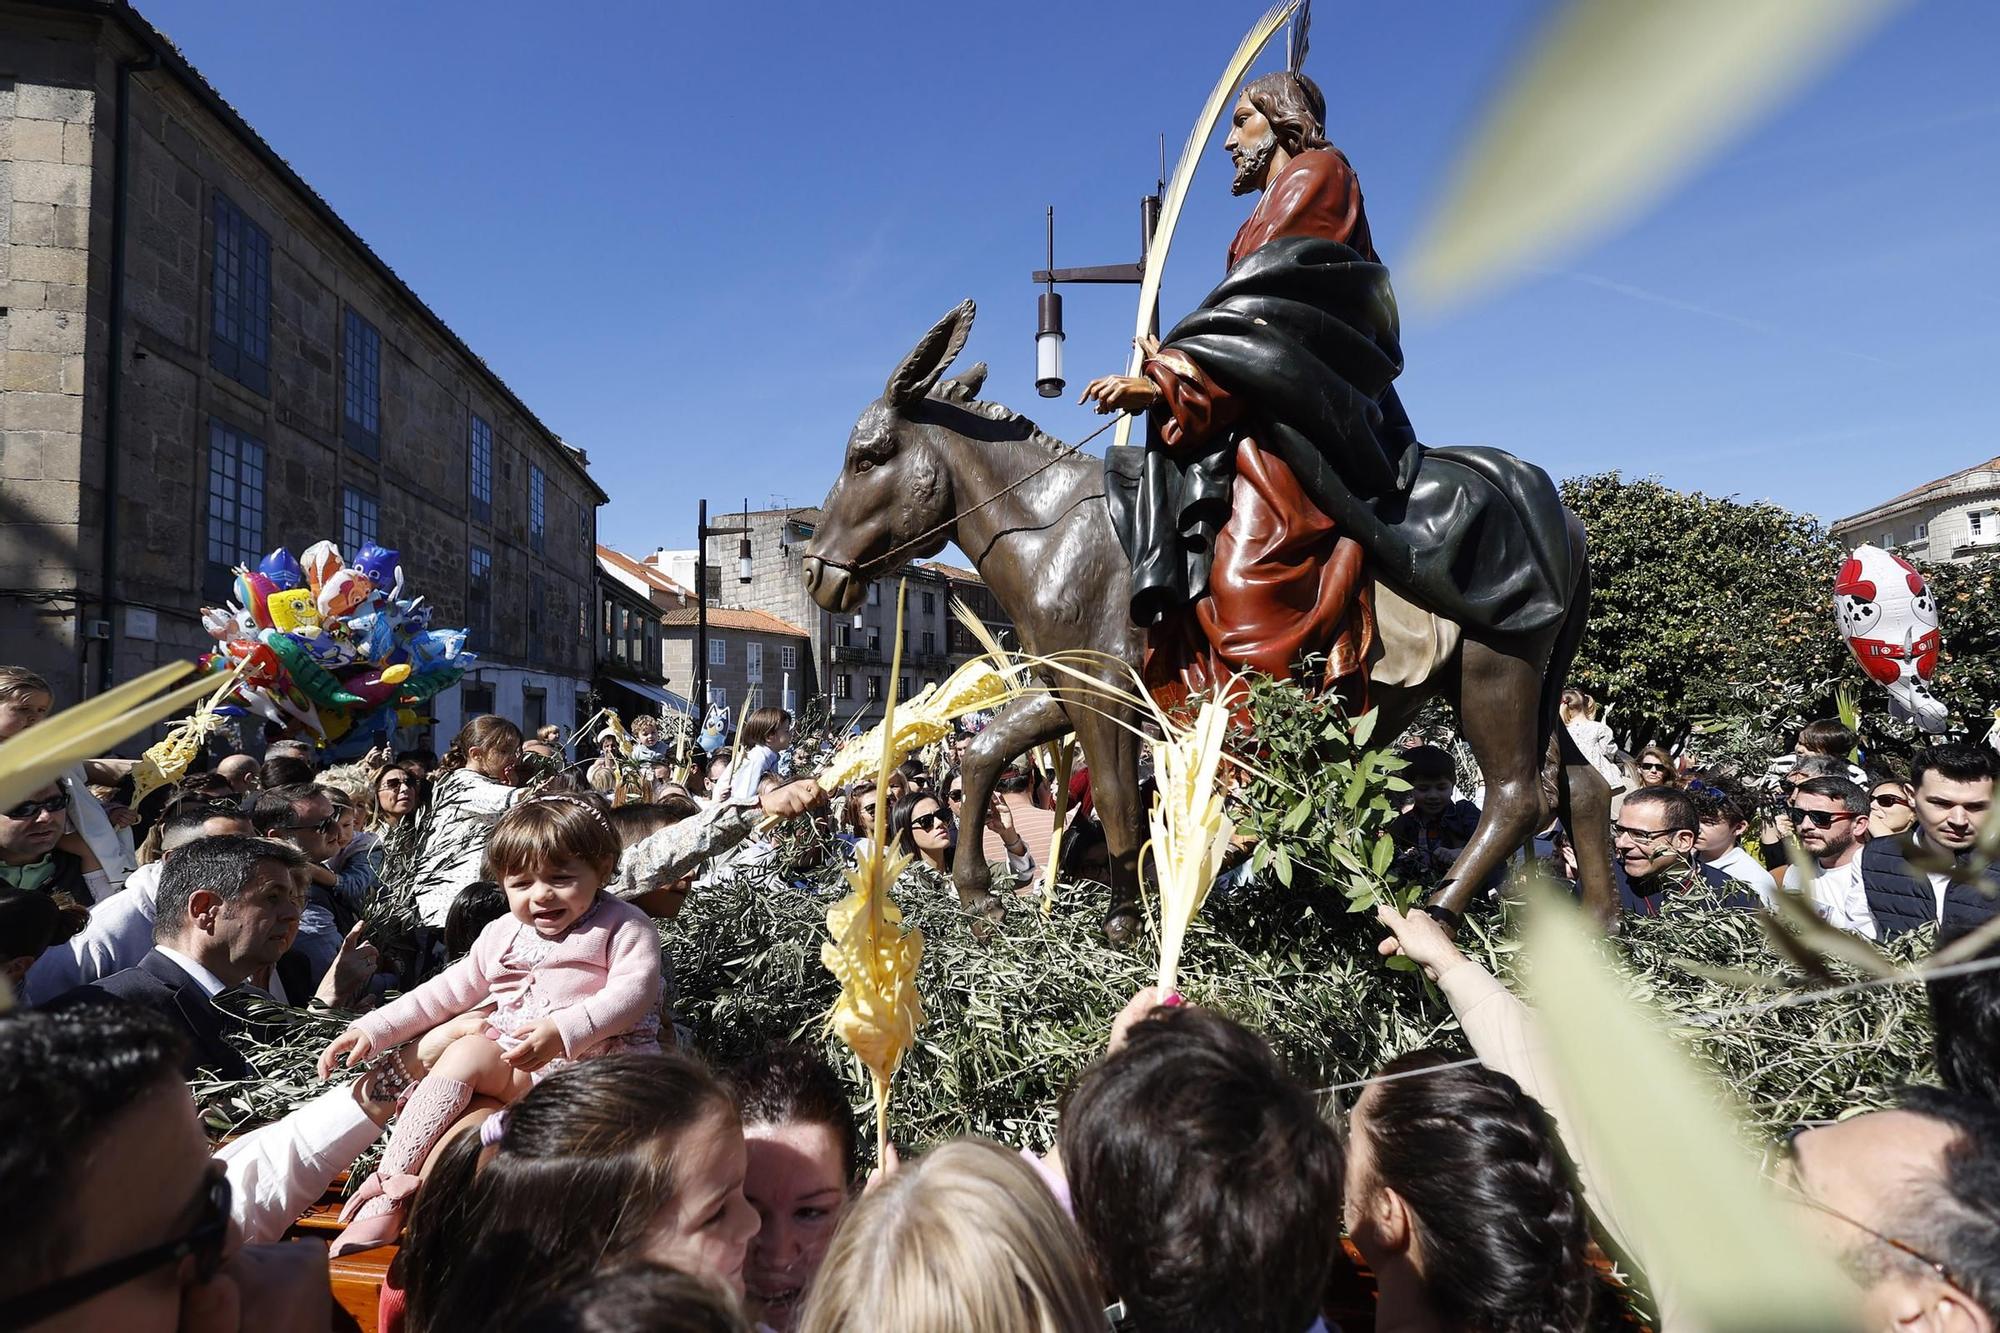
374 1216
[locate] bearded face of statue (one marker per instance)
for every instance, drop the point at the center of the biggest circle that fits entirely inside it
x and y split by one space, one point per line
1252 144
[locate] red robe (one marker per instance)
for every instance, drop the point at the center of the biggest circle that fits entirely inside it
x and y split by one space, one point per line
1283 583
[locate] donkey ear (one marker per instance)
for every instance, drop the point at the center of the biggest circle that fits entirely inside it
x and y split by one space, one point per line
932 354
963 387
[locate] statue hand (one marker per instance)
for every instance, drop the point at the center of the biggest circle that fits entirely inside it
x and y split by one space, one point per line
1121 393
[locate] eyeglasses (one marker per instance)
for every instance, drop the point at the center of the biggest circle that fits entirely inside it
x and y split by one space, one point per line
1645 834
956 794
330 825
204 1241
1652 766
394 784
1793 1192
929 821
1818 818
27 810
1888 800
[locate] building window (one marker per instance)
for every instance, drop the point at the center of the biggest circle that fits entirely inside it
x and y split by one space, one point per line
479 594
874 687
753 662
843 635
239 334
788 657
791 703
475 700
903 688
538 511
361 359
1923 533
930 642
482 469
718 652
360 516
1983 526
874 594
930 602
874 639
718 697
843 686
534 710
235 505
538 596
652 663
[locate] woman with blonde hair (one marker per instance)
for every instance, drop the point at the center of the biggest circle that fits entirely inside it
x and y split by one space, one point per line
968 1240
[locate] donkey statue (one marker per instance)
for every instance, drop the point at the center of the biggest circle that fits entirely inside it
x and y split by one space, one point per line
929 463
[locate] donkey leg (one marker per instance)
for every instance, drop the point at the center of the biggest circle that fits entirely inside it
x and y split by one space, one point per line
1026 722
1112 752
1499 697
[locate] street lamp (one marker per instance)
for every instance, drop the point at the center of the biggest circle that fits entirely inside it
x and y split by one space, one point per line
743 575
1048 306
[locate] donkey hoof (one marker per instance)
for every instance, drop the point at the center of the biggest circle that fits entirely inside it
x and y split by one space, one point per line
1121 928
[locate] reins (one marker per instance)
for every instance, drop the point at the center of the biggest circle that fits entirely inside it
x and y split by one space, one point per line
887 559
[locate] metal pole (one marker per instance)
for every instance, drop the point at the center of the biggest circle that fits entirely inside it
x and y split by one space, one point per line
700 699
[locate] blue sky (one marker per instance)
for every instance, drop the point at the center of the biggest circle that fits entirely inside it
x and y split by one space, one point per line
696 239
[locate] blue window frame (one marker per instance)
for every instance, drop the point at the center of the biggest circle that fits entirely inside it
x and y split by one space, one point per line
239 331
482 469
235 505
360 516
361 388
538 511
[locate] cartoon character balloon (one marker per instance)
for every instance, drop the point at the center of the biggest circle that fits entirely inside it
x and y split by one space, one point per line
329 649
1890 622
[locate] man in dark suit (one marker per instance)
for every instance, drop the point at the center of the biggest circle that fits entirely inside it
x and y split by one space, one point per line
228 908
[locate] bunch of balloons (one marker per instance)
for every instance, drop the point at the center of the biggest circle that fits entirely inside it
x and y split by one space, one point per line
330 650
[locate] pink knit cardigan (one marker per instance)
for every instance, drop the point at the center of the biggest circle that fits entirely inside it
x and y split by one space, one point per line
598 980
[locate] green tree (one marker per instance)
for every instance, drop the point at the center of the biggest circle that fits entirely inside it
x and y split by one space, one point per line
1707 614
1968 674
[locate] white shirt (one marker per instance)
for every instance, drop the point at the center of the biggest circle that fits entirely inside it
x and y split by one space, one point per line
1740 865
277 1172
118 934
207 980
1840 900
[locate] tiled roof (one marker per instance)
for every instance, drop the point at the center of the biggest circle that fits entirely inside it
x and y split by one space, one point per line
642 571
957 573
729 617
1929 490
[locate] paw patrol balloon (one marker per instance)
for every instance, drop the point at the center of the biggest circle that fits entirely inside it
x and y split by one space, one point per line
1890 622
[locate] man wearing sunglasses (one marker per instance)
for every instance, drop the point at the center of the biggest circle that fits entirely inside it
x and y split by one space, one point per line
303 816
29 857
1907 882
1829 816
132 1225
228 908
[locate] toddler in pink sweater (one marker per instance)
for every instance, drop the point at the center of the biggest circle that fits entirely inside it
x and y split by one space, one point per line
570 972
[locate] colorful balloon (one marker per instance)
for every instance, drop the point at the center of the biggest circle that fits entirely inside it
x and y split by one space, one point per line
1890 621
283 571
292 610
253 590
321 561
343 590
383 566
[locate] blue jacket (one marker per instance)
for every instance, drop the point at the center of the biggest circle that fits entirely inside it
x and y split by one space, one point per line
1900 896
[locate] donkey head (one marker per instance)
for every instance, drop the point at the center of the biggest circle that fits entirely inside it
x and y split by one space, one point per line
893 500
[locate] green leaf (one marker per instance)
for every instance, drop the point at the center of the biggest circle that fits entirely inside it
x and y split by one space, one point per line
1364 726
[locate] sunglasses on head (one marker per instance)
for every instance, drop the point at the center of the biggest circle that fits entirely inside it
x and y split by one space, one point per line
27 810
929 821
1818 818
204 1241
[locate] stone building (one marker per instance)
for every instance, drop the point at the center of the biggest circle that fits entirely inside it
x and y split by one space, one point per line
631 655
749 653
194 333
1955 517
851 654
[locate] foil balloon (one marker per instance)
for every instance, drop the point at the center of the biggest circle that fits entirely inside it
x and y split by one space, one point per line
343 590
292 611
253 590
1890 621
383 567
321 562
284 572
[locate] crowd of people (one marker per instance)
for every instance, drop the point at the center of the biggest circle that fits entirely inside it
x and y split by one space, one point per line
553 1155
